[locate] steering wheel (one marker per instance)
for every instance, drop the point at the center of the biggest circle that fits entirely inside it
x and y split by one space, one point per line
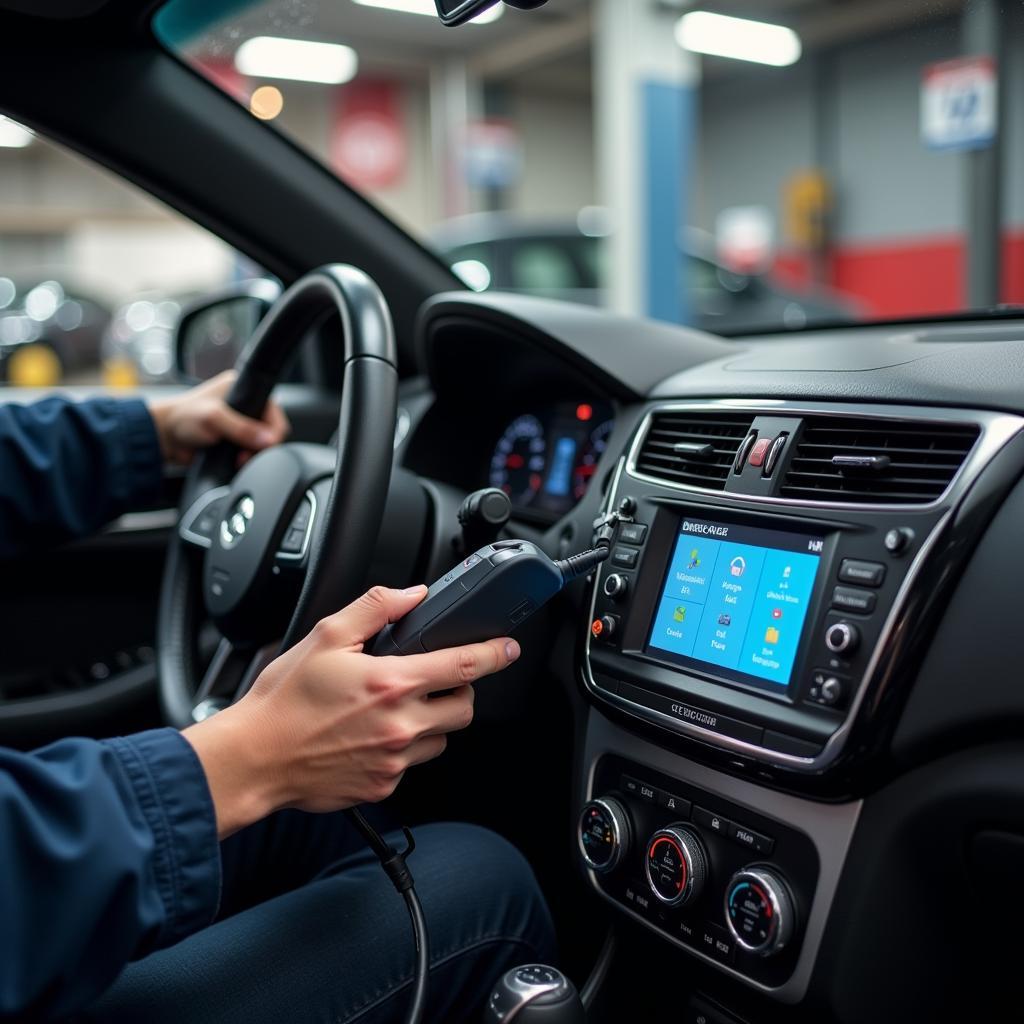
270 549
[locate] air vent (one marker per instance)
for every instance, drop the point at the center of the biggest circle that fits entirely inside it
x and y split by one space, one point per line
875 461
693 448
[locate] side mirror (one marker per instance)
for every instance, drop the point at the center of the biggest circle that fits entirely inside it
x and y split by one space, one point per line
213 331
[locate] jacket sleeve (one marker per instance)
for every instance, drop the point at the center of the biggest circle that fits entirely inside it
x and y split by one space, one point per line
66 468
108 850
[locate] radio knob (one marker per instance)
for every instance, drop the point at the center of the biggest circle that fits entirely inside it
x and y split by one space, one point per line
842 638
759 911
604 834
831 691
616 586
676 865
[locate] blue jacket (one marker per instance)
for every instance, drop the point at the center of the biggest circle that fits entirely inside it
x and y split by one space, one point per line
108 850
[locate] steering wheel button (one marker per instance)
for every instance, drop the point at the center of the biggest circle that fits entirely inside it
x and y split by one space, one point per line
292 543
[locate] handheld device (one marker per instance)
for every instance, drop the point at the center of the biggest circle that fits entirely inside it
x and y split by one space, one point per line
495 589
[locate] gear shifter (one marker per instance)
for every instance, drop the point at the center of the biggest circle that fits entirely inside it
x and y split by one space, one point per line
534 994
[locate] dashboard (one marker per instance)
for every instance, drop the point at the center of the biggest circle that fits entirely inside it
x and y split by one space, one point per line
794 676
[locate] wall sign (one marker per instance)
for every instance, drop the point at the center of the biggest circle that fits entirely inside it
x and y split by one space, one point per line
959 103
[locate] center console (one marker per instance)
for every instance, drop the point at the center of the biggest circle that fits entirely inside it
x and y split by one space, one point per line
747 643
760 593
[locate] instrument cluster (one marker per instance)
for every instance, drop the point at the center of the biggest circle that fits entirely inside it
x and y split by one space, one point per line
545 458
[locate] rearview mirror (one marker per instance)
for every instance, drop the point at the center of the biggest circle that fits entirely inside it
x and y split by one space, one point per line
212 333
455 12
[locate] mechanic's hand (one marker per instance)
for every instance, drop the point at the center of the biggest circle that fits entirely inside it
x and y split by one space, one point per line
326 726
201 417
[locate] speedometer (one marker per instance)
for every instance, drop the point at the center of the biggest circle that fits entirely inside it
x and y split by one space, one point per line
519 460
593 449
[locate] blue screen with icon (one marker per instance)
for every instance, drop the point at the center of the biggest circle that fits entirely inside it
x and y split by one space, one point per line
736 597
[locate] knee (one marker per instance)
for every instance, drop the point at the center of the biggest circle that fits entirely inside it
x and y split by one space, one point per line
480 877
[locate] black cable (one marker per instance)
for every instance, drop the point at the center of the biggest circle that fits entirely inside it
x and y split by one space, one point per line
397 870
585 562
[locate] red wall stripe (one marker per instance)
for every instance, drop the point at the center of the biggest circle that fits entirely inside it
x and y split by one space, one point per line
902 279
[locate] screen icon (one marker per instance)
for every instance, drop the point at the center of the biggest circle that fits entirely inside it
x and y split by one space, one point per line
787 572
680 613
694 559
771 635
738 566
776 613
725 619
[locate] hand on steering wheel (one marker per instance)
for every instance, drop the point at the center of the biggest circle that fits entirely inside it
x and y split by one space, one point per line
268 551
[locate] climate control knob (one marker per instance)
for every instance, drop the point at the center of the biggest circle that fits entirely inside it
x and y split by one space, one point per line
616 586
759 911
676 865
604 834
842 638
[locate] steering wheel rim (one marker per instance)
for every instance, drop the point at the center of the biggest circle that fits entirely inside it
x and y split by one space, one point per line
338 559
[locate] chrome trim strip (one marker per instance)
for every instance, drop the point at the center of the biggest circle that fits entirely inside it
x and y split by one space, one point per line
997 430
288 556
144 522
829 826
195 510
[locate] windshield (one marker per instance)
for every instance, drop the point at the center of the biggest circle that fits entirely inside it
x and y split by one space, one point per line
832 162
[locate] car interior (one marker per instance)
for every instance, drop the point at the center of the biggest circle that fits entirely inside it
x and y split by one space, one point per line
765 758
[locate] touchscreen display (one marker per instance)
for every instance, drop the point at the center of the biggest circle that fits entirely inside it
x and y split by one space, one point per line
735 598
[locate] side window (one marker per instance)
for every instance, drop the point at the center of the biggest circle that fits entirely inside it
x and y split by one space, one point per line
93 272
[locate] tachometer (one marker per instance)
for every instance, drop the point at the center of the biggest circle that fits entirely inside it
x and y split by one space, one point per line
520 460
591 454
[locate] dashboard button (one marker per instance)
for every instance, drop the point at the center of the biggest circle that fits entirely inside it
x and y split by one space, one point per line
760 451
750 839
717 942
868 574
853 600
632 533
625 557
631 785
711 821
676 804
616 586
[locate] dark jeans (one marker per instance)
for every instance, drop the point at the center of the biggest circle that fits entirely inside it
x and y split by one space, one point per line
310 929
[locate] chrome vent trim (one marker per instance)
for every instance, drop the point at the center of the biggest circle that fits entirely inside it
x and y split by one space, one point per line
695 449
875 461
995 430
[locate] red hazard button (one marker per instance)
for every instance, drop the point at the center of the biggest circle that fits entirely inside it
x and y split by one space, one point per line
760 451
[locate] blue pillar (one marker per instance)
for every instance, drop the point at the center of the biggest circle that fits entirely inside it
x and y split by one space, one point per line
669 114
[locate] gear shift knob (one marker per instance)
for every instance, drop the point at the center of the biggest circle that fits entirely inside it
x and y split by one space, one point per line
534 994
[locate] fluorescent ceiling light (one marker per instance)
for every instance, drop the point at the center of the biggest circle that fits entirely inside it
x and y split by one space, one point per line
738 38
299 60
14 135
429 7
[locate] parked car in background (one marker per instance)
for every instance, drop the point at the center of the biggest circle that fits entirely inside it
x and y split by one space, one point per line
50 332
564 259
138 345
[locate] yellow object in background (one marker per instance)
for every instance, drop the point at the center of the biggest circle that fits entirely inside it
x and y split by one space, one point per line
120 373
771 635
807 202
33 366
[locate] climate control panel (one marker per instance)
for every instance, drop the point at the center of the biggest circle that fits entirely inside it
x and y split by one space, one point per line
718 879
